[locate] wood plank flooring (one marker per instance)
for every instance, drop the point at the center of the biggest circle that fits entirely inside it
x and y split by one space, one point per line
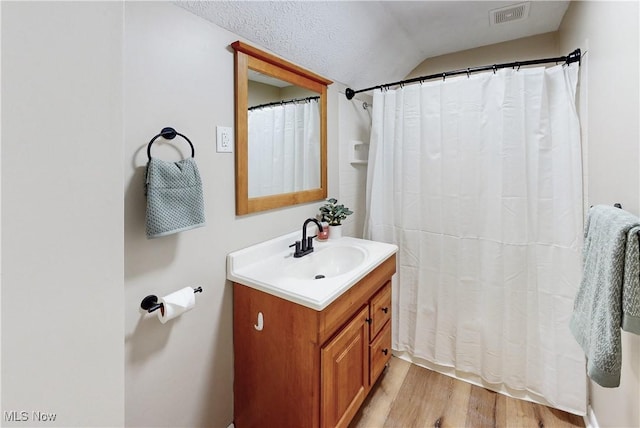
410 396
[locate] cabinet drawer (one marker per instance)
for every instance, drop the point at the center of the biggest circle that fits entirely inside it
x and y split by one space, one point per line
379 353
380 309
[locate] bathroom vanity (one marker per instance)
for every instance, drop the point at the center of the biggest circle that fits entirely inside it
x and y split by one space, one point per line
309 361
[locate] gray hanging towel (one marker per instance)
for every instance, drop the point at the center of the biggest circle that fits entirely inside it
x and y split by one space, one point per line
609 295
174 197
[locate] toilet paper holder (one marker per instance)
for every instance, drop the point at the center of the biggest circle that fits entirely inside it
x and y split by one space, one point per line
150 303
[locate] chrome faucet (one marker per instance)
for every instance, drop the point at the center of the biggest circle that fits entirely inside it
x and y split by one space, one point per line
305 246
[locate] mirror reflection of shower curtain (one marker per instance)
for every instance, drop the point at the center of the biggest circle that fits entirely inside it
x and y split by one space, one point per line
479 181
284 148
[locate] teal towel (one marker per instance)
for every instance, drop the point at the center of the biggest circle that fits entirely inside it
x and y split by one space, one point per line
174 197
609 293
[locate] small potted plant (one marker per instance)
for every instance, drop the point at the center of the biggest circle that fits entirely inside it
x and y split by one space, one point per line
333 214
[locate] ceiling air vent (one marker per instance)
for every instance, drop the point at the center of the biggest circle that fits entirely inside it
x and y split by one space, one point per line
514 12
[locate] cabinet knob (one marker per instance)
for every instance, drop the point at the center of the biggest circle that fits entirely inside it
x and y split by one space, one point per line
385 351
385 310
368 320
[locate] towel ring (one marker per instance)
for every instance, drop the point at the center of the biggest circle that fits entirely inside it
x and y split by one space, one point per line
169 133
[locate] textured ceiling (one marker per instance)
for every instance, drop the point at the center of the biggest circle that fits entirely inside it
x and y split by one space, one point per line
366 43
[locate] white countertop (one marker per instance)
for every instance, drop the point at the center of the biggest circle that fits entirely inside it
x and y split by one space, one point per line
263 267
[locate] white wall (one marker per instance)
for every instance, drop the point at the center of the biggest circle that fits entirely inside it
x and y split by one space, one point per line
354 125
540 46
608 34
62 231
179 72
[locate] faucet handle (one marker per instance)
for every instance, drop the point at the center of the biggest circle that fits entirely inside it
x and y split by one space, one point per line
297 245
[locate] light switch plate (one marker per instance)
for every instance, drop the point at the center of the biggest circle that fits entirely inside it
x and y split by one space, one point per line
224 139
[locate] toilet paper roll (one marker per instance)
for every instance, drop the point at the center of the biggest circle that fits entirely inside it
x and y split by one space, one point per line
176 304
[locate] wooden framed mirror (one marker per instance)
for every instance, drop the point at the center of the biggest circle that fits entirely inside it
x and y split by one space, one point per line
281 132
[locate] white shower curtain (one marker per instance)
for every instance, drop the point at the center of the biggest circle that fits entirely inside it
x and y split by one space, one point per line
478 180
284 148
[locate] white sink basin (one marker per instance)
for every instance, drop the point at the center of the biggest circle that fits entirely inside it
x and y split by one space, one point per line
314 280
327 262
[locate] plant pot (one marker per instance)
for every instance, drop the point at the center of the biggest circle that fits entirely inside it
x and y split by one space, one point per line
335 232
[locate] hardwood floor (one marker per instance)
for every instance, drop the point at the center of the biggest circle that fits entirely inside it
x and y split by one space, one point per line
410 396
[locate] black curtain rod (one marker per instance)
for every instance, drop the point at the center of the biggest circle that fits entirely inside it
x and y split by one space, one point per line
293 101
572 57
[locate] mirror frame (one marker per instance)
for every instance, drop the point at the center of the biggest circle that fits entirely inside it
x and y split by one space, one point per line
248 57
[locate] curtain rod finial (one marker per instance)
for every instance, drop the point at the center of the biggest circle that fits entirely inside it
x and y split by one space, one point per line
349 93
574 56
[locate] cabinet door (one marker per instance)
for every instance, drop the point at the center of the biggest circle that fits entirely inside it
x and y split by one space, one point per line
345 372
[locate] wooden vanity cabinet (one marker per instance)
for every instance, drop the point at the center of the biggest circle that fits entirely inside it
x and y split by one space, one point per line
305 368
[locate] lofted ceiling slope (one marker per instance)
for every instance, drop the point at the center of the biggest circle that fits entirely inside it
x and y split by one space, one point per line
366 43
